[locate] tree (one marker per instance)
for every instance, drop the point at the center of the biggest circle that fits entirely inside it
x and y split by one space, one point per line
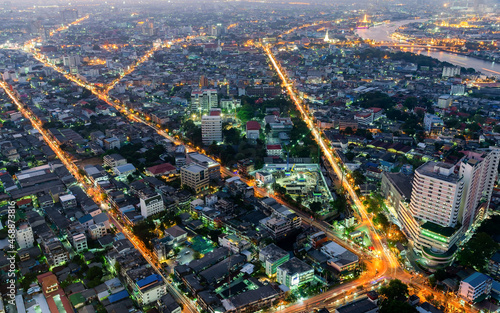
477 251
316 206
410 103
245 113
267 129
358 177
12 169
393 298
382 220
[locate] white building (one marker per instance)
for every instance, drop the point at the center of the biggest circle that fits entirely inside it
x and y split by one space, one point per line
71 60
451 71
264 177
445 201
339 257
151 205
68 201
444 101
211 127
150 289
114 160
210 99
437 194
24 236
457 90
122 171
474 286
79 242
204 100
202 160
253 130
432 122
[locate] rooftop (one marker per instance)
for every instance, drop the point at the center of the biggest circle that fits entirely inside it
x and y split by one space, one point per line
440 230
193 168
359 306
294 266
273 253
476 279
253 125
402 183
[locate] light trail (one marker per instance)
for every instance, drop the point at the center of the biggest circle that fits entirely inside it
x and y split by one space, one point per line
327 152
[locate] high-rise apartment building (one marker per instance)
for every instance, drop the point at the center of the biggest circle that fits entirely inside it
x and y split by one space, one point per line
204 100
437 194
71 60
446 200
210 99
211 127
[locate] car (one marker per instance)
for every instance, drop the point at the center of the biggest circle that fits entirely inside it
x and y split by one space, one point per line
187 252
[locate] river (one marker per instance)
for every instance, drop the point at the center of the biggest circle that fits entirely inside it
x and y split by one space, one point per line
382 33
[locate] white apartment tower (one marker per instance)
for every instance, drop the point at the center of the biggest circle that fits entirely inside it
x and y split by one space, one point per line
446 200
211 127
437 194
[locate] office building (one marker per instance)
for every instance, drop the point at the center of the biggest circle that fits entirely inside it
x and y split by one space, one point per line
151 204
294 273
211 127
437 194
195 176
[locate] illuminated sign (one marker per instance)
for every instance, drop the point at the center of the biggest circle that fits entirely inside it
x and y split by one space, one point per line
434 236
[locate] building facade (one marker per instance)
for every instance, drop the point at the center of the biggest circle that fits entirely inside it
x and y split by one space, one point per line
151 204
294 273
195 176
24 236
211 127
